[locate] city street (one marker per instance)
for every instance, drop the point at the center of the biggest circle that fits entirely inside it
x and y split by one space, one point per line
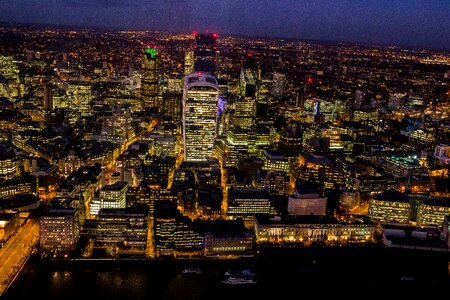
16 251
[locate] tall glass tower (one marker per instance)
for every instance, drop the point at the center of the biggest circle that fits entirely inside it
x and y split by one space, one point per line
200 98
150 78
206 53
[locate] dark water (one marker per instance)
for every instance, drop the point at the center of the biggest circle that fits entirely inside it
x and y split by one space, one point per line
342 273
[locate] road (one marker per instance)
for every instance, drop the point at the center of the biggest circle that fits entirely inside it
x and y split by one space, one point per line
16 251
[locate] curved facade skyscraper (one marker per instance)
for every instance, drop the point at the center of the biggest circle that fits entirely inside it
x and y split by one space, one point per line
200 98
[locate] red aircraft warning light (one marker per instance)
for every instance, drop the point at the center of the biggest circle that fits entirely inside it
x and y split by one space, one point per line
309 80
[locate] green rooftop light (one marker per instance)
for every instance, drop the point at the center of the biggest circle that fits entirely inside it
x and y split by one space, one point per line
151 51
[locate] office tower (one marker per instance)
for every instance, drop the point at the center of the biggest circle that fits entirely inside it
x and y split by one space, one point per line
200 98
279 85
188 62
117 128
248 77
150 78
80 96
171 106
206 53
59 227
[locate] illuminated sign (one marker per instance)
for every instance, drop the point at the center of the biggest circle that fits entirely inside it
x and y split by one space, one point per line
151 51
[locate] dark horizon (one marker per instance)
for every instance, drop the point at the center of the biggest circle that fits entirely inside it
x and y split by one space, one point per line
272 38
416 24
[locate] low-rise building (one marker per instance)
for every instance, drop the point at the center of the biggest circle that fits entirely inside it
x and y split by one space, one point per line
390 206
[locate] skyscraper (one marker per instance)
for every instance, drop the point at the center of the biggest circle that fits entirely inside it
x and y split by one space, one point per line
249 76
206 53
188 62
150 78
279 85
200 98
245 106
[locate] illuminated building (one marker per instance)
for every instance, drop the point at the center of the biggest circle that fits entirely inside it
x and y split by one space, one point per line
334 135
248 77
442 153
244 112
209 201
150 79
188 62
206 53
227 237
59 227
396 101
15 186
291 138
68 164
433 211
200 98
45 176
278 182
421 137
9 165
117 128
328 109
187 240
80 97
111 196
260 140
275 161
390 207
122 231
305 230
375 184
163 146
402 166
366 115
171 106
414 102
359 99
263 97
9 222
279 85
148 195
349 200
248 202
235 145
174 233
314 168
306 203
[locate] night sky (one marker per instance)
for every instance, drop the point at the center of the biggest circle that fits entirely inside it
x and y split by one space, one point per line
413 23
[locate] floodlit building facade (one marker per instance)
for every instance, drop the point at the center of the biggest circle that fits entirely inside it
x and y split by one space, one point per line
200 98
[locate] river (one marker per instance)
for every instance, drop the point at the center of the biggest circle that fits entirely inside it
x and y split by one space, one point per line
293 273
